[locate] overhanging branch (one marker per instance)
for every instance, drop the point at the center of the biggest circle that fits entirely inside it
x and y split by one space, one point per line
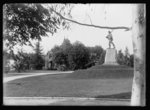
91 25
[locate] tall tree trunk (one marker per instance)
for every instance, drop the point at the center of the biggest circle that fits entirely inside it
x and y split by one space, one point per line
138 38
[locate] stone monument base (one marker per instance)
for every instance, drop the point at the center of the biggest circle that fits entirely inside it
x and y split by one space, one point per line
111 57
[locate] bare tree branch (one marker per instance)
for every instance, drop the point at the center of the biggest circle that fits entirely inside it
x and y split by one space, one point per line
91 25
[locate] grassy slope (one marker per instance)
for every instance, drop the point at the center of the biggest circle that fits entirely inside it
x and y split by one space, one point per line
103 72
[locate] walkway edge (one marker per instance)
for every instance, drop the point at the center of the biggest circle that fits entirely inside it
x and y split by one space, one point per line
50 100
7 79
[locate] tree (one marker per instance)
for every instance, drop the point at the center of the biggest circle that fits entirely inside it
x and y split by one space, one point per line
138 38
61 53
102 57
38 59
89 25
55 49
66 46
21 61
22 22
96 51
97 54
120 57
6 57
128 59
59 57
125 59
131 64
38 49
78 56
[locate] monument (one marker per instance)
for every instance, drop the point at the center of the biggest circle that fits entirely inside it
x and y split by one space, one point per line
111 53
111 57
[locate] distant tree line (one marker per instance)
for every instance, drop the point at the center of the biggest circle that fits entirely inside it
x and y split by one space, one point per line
75 56
28 61
67 56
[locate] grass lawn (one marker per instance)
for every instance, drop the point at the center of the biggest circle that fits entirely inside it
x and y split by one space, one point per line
98 81
60 85
103 72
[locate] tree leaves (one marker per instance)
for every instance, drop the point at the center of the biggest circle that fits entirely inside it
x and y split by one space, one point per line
28 21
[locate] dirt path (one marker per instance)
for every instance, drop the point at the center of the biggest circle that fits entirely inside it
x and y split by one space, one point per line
7 79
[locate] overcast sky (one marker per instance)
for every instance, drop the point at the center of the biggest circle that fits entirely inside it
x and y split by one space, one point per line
100 14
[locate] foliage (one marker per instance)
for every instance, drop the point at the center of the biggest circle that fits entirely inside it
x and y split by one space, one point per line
102 57
22 61
125 59
66 45
60 54
38 61
23 22
120 57
78 56
70 56
6 57
26 61
97 54
131 61
59 57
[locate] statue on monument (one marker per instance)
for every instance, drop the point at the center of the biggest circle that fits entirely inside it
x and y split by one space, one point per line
110 38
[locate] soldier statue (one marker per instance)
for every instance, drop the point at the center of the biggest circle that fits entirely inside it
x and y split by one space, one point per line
110 38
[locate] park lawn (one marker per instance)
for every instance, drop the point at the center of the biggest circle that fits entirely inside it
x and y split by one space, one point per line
60 85
103 72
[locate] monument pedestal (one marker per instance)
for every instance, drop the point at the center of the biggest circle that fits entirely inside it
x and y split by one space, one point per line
111 57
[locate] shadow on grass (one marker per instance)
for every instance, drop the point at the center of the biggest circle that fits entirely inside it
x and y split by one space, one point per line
125 95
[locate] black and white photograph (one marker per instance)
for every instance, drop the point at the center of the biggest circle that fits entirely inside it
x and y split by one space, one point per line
74 54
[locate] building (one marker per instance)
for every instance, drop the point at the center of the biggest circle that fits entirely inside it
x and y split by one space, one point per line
48 61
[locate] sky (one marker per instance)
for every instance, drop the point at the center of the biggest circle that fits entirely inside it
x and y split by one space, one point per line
100 14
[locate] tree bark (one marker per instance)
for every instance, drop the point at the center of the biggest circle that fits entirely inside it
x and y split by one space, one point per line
138 38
